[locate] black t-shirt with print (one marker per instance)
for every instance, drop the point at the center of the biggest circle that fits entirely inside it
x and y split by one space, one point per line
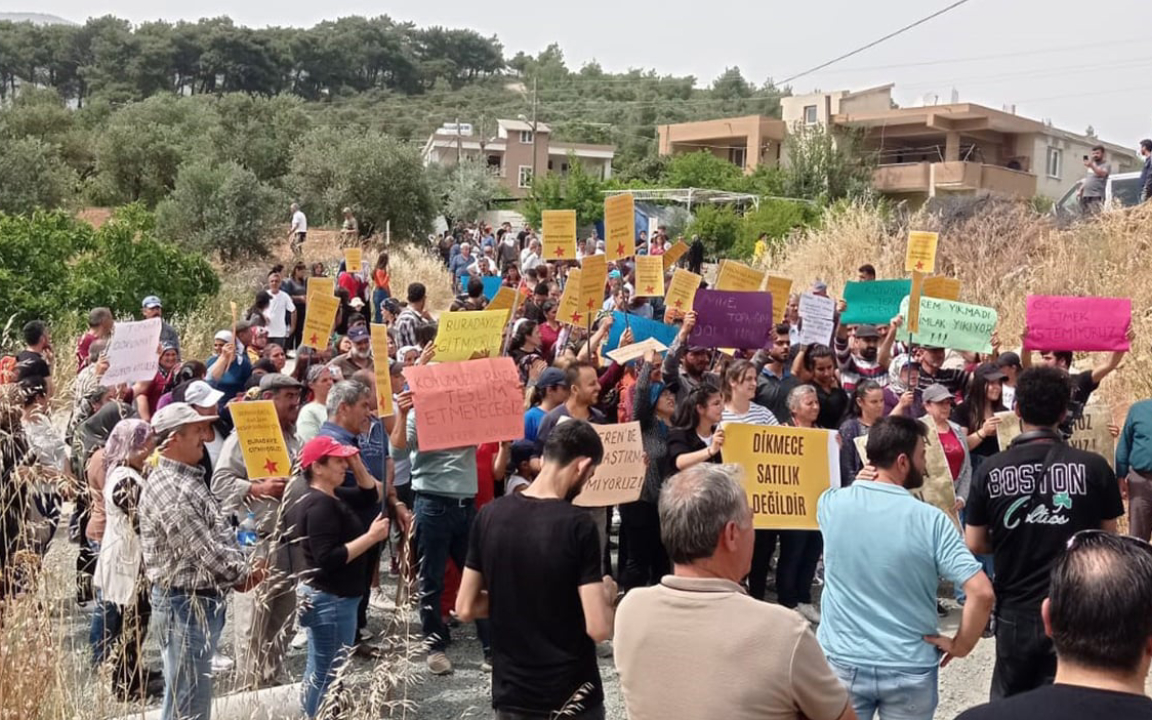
1028 535
1065 702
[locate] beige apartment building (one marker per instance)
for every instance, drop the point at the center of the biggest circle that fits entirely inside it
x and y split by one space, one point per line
924 151
516 152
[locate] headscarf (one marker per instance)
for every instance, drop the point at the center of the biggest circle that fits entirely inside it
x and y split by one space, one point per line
895 382
128 437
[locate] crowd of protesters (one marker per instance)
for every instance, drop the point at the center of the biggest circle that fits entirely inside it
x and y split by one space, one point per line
711 617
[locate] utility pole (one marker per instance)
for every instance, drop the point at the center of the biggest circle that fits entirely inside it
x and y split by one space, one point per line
535 135
459 148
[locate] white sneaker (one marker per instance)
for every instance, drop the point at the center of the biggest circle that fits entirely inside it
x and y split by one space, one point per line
222 664
809 612
299 640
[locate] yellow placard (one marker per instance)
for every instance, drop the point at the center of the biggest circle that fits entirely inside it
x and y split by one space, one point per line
593 278
1009 428
261 439
559 228
943 288
504 299
319 316
569 310
921 255
381 366
938 489
914 302
682 290
319 286
738 278
353 259
649 276
785 471
470 335
781 289
619 226
674 253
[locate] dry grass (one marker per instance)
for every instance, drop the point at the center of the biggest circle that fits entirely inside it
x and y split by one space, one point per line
1002 251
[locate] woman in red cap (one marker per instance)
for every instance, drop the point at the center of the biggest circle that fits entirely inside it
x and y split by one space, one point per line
334 541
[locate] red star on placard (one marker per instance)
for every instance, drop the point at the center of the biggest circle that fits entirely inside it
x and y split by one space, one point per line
382 401
620 250
270 466
678 304
313 340
919 264
650 289
575 318
559 252
591 304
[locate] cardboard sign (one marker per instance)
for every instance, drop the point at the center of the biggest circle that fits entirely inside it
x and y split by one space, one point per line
619 226
1090 432
738 278
1077 323
913 316
325 286
921 256
817 313
620 478
945 288
649 276
636 350
492 285
732 319
464 404
781 290
467 335
559 228
132 352
381 366
682 290
874 302
319 316
261 439
1009 428
569 310
785 471
593 278
953 325
353 260
673 254
504 299
938 489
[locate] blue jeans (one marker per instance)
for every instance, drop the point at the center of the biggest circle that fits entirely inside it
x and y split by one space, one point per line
331 624
985 562
893 693
442 531
107 622
188 627
379 295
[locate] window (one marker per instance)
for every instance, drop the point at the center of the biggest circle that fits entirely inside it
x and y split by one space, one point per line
564 168
1055 162
737 156
549 166
526 137
524 177
810 116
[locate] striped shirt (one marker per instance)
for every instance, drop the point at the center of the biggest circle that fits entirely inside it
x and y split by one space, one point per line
756 415
855 370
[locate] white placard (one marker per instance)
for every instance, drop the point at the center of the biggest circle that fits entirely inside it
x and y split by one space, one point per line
132 352
817 313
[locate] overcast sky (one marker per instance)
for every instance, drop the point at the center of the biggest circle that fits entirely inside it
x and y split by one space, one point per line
1076 63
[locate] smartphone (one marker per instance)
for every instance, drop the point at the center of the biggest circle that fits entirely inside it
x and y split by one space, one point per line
1085 157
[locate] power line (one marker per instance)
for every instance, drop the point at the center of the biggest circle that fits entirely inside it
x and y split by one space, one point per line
874 43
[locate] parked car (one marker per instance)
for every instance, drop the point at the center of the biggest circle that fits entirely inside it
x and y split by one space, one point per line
1123 190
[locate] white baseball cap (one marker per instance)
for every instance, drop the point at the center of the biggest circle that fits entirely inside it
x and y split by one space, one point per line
201 394
177 415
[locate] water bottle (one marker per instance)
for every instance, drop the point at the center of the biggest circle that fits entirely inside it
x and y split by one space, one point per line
246 533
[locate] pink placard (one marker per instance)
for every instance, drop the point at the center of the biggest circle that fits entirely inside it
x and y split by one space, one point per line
1077 323
462 404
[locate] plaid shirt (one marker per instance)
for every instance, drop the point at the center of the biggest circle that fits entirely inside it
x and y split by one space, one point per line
185 540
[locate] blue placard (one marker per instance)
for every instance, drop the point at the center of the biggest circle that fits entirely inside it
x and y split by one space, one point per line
491 286
642 329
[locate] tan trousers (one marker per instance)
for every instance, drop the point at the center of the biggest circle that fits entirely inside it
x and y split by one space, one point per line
263 621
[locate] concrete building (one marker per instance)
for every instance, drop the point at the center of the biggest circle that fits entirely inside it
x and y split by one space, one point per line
952 148
516 152
746 142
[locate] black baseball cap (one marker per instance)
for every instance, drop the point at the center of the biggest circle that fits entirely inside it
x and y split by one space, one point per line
1008 359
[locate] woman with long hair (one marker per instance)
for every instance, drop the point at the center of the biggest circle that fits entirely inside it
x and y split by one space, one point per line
816 366
696 436
867 407
800 549
524 347
977 414
550 330
381 287
315 411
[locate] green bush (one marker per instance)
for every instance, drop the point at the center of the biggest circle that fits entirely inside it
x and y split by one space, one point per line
32 175
777 218
718 227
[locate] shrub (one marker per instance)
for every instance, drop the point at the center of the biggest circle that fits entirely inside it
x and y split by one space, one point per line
718 227
777 218
33 176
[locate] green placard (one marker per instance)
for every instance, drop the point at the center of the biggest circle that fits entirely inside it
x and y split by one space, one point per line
874 301
954 325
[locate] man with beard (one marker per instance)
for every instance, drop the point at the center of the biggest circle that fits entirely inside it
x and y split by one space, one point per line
359 357
688 364
776 379
864 357
884 552
533 568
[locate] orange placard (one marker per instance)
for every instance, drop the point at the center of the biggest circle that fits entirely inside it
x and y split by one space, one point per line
464 404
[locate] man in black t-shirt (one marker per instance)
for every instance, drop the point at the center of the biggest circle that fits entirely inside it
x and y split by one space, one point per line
1099 615
533 567
35 359
1024 505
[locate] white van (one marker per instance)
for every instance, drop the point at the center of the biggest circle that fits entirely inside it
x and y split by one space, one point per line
1123 190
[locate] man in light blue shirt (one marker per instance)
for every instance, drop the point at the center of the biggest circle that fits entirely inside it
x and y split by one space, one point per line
884 552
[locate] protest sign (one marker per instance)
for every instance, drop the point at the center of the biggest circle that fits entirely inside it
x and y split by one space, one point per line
785 471
619 226
674 253
732 319
649 276
874 302
492 286
261 439
817 313
353 260
937 489
381 366
593 278
1090 432
504 299
781 289
464 335
642 329
628 353
953 325
945 288
682 290
319 315
569 310
1009 428
464 404
913 316
921 256
620 477
132 352
1077 323
319 286
559 228
738 278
